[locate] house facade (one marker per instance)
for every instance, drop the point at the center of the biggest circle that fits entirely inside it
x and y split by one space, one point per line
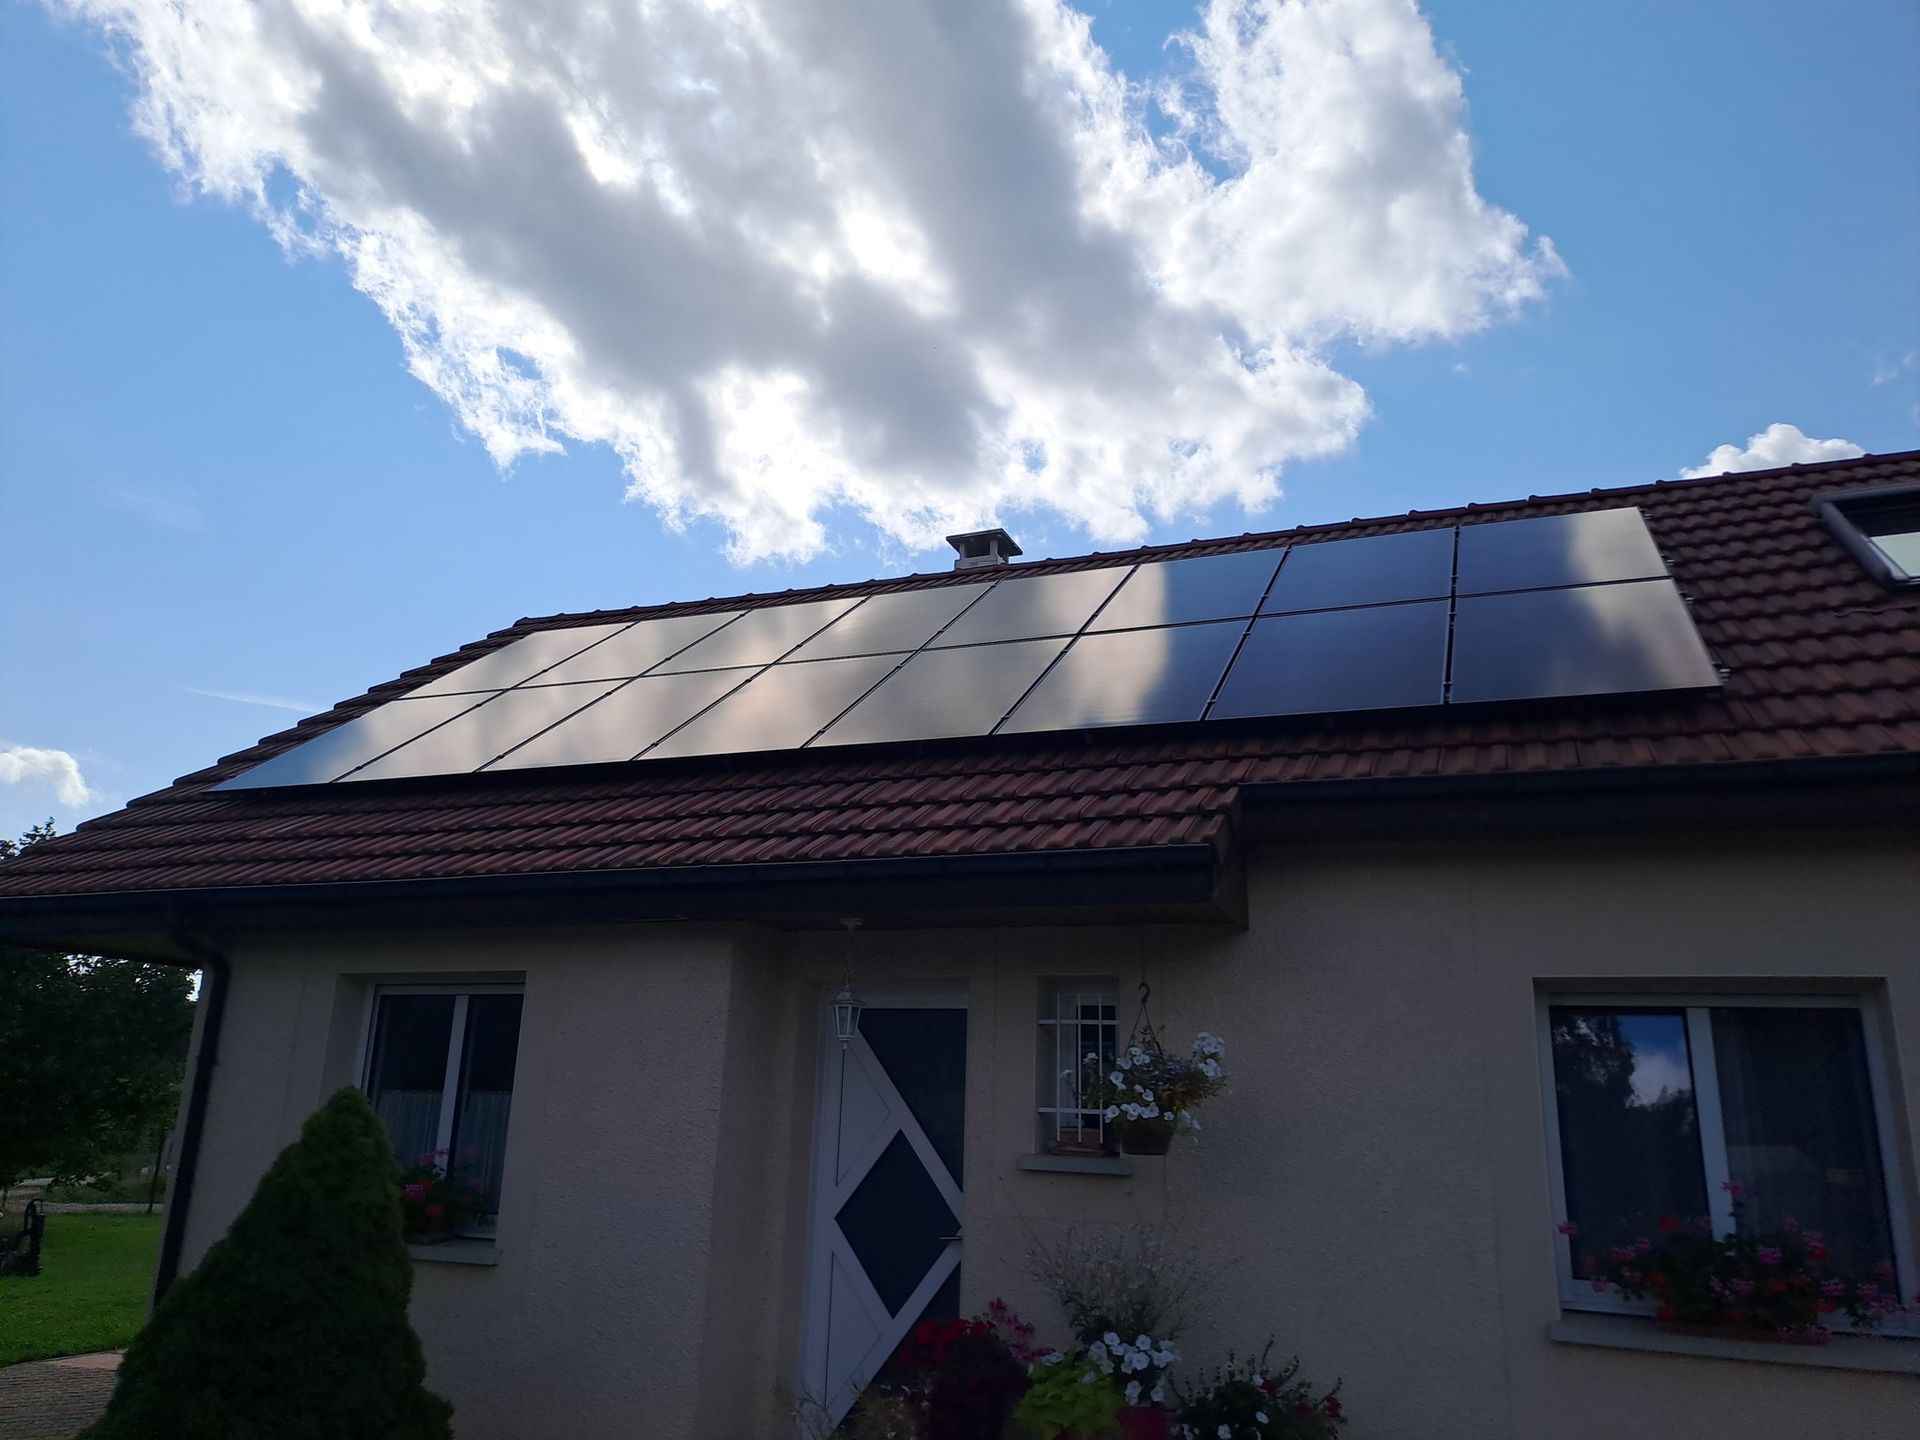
1423 929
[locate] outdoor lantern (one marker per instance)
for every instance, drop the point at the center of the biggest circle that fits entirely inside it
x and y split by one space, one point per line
847 1005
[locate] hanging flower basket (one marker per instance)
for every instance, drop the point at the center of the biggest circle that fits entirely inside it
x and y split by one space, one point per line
1146 1095
1143 1137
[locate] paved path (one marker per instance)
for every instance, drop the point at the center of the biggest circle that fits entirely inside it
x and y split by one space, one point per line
55 1399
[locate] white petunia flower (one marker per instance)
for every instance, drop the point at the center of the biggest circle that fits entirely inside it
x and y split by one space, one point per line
1052 1357
1224 1433
1133 1392
1112 1340
1097 1353
1157 1394
1261 1416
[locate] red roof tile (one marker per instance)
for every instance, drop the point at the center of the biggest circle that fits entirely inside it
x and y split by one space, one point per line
1824 663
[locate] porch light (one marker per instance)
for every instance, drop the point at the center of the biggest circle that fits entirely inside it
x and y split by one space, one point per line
847 1005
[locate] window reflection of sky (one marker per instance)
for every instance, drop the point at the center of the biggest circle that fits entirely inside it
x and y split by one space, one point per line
1660 1065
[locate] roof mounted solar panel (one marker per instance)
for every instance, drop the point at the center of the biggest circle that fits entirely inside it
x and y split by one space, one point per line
891 624
1372 570
1156 676
625 723
1023 607
781 708
471 739
1181 592
941 693
353 743
1375 657
1588 640
1537 609
758 636
519 660
1589 547
635 650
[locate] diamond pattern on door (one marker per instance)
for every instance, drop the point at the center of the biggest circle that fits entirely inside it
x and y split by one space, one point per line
887 1202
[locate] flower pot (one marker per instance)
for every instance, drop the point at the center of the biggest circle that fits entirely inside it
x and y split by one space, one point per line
1144 1422
1143 1137
1816 1336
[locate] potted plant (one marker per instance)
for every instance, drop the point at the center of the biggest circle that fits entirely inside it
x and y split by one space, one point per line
1243 1402
1777 1287
962 1378
1148 1095
438 1201
1068 1398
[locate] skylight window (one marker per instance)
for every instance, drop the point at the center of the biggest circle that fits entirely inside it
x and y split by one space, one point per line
1881 528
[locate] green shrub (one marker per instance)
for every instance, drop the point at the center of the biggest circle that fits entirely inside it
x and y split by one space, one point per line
294 1326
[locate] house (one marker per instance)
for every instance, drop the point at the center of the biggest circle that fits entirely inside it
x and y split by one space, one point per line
1409 810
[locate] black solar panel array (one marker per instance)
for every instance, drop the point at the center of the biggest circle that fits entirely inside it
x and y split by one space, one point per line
1570 605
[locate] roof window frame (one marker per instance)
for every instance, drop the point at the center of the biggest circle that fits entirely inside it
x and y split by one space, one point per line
1837 512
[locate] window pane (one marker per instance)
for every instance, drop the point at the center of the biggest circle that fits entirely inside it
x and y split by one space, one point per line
1798 1111
409 1070
1629 1133
486 1091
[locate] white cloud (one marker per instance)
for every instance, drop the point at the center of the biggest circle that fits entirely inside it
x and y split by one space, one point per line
921 262
1772 447
246 697
55 770
1888 371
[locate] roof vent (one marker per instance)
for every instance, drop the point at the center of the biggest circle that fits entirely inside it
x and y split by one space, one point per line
982 547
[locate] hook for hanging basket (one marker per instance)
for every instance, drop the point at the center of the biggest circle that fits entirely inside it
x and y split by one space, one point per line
1143 1033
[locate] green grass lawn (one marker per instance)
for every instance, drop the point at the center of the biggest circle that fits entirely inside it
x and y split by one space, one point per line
91 1292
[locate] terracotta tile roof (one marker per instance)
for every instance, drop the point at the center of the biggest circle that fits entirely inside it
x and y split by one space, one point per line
1823 663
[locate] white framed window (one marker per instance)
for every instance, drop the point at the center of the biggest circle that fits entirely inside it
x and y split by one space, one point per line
1741 1111
439 1073
1078 1018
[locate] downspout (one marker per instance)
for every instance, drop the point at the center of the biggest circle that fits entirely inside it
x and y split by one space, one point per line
215 977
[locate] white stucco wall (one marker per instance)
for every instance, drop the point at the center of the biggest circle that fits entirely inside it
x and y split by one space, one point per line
1375 1184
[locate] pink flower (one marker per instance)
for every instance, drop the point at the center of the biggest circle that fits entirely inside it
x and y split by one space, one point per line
1599 1287
1567 1228
1732 1187
1742 1287
1642 1246
416 1190
1769 1255
1833 1289
1884 1269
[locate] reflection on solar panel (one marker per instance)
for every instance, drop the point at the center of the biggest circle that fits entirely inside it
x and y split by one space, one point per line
1541 608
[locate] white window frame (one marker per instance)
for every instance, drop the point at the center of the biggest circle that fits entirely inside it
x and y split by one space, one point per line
456 1048
1066 994
1579 1294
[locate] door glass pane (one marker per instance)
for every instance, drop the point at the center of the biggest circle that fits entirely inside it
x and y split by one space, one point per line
486 1092
409 1070
924 1053
1798 1110
1629 1133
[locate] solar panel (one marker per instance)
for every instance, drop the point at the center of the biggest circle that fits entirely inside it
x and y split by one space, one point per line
1373 570
1179 592
758 636
470 740
1581 549
1022 607
1591 640
946 692
634 650
520 660
1542 608
625 723
890 624
327 757
1376 657
1131 677
781 708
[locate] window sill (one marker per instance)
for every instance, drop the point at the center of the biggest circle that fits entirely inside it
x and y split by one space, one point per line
1078 1164
466 1250
1895 1355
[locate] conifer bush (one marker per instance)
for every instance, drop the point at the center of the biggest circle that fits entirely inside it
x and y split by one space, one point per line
294 1326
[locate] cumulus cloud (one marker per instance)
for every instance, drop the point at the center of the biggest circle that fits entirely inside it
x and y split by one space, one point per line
922 263
1774 446
54 770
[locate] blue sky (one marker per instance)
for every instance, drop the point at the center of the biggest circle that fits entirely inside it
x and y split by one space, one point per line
220 480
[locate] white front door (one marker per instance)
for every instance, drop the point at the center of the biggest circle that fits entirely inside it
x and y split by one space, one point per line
885 1249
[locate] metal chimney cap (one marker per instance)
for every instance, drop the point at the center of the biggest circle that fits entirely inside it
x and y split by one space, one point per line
982 547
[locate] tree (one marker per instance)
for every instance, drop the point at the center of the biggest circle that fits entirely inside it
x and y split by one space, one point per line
91 1053
294 1326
